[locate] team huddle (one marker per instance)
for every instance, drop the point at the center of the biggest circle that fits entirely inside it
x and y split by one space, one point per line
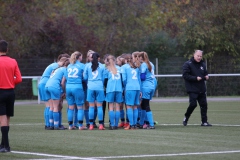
126 83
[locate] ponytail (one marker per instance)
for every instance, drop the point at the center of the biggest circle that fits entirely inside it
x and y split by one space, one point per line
146 60
111 64
95 64
74 57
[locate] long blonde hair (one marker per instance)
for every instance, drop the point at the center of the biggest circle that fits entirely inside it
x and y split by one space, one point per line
74 57
64 63
111 64
145 59
89 55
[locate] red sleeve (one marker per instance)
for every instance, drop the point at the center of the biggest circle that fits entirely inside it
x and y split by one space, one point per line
17 74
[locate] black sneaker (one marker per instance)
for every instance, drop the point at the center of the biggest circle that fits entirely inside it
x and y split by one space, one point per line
185 121
50 128
206 124
111 127
1 146
140 127
88 125
134 127
94 125
150 127
62 127
57 128
4 150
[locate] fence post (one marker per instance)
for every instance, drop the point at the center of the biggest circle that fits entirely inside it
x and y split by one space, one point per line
157 74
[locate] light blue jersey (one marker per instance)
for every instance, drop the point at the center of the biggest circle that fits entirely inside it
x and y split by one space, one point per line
130 77
47 72
74 75
149 81
114 81
95 79
56 78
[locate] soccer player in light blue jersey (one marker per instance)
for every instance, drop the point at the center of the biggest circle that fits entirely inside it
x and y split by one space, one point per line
148 86
132 82
86 104
54 86
41 86
94 74
113 91
120 62
74 89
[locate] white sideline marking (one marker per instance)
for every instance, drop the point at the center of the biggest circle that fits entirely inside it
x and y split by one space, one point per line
130 156
52 155
170 155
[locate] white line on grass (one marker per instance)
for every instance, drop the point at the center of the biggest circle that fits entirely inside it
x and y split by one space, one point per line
52 155
130 156
170 155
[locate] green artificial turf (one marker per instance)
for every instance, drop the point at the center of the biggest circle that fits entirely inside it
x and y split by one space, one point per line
170 139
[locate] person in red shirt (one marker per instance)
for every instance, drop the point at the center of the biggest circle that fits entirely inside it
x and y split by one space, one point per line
10 76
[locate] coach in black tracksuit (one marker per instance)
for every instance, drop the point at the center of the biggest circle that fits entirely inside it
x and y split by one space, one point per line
195 74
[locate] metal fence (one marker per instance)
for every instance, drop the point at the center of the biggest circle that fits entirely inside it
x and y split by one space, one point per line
29 88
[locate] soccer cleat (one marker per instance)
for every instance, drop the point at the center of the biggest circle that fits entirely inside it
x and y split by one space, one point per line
185 121
121 124
88 125
129 127
94 125
145 126
112 128
101 127
206 124
71 128
150 127
134 127
47 128
62 127
1 146
4 150
91 127
50 128
140 127
126 125
82 128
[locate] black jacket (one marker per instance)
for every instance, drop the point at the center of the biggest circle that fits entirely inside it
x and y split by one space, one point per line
192 70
